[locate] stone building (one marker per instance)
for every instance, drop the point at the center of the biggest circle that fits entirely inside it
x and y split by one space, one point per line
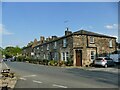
82 47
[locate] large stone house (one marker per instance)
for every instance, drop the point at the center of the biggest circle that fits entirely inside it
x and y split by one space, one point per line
82 47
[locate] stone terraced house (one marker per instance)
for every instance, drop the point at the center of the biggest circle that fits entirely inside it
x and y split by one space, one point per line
82 47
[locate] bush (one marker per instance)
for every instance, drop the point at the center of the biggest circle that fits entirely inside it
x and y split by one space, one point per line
61 63
45 62
20 58
53 63
69 63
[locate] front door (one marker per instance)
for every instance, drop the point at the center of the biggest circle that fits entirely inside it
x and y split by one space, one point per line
78 57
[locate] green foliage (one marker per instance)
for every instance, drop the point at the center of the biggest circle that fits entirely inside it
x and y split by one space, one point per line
61 63
69 63
45 62
20 58
53 63
12 51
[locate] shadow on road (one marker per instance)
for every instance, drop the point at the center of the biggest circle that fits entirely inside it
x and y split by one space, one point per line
101 76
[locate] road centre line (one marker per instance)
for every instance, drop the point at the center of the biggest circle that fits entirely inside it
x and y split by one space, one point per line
37 81
30 76
23 78
59 86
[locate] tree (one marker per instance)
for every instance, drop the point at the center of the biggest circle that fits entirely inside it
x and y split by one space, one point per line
12 51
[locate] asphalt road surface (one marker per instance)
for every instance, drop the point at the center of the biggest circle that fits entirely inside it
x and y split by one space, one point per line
40 76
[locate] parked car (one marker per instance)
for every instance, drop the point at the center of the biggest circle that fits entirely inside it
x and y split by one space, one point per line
104 61
4 59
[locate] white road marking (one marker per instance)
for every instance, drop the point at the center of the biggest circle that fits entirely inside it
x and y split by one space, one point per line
59 86
30 76
23 78
37 81
6 65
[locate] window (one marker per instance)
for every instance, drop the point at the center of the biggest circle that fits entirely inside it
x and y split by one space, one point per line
110 43
41 48
32 53
108 59
47 46
44 56
91 39
63 54
67 56
55 45
64 42
37 48
92 55
55 55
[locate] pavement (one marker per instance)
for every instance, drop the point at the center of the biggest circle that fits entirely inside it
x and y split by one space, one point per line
40 76
6 81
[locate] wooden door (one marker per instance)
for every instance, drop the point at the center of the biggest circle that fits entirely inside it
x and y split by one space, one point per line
78 57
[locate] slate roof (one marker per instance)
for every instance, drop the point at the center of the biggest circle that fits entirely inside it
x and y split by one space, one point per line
85 32
80 32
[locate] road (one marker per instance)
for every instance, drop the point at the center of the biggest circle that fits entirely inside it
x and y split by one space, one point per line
40 76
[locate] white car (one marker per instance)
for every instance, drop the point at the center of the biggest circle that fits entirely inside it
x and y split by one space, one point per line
104 61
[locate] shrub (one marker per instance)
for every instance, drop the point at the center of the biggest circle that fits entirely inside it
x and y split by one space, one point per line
20 58
53 63
45 62
61 63
69 62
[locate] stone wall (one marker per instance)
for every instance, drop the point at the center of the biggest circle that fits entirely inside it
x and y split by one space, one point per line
27 51
102 44
43 53
100 47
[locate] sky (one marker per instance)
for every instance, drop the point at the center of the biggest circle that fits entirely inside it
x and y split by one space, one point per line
22 22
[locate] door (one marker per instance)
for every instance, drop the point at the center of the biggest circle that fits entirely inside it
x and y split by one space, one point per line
78 57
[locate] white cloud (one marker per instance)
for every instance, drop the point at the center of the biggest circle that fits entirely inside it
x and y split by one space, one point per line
112 27
4 31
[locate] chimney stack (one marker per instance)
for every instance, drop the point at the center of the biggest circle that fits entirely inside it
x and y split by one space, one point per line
54 37
42 39
67 32
35 42
48 39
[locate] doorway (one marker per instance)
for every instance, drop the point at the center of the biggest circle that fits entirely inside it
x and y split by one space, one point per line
78 57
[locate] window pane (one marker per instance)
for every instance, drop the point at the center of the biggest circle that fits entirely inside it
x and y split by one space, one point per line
92 55
92 39
110 43
64 42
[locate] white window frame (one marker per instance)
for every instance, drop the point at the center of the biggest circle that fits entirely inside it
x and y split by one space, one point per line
63 56
37 48
64 42
91 39
48 46
55 45
55 55
44 56
110 43
67 56
92 59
